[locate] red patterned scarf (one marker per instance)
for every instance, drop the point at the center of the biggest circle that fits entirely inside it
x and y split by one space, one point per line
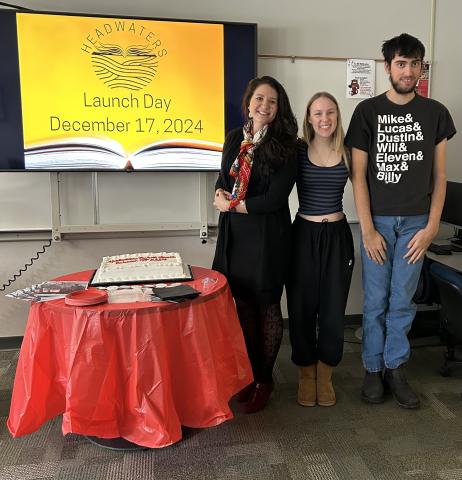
242 166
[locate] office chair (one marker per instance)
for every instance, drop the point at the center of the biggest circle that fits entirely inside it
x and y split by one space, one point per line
449 285
425 293
426 322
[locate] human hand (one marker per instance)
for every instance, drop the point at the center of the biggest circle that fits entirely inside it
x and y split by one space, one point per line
225 192
419 244
375 246
221 201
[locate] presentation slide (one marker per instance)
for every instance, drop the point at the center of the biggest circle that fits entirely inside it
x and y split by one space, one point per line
115 93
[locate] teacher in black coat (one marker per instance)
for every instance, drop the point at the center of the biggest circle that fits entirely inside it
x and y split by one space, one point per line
257 175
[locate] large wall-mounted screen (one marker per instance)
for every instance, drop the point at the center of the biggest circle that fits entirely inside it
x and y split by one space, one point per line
94 93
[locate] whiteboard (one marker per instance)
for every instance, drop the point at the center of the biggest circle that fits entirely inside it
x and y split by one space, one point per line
125 198
25 200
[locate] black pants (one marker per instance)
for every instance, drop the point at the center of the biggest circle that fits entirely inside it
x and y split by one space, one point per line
321 266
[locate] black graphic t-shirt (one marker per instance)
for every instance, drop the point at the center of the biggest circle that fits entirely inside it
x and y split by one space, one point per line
400 141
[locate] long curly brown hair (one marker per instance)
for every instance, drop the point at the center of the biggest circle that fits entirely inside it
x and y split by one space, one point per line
281 139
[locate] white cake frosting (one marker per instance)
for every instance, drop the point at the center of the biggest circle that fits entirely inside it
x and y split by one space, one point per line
137 267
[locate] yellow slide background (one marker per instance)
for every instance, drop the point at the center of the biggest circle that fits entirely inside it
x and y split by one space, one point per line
59 80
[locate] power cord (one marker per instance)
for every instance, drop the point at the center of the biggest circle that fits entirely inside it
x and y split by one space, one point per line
26 266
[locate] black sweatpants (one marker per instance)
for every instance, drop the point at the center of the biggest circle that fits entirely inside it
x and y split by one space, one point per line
322 261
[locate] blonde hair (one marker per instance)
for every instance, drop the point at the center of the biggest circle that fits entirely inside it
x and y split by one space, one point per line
338 137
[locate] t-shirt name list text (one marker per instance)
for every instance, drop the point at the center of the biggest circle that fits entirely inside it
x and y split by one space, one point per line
394 134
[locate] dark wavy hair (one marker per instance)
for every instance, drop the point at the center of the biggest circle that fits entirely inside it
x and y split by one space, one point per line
281 139
404 45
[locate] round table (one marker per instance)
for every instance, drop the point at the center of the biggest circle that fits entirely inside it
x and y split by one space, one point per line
138 371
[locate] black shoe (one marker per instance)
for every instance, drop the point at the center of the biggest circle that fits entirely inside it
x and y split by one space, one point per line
373 389
401 390
245 393
258 398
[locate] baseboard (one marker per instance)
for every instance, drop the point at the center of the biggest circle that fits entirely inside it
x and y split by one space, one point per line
10 343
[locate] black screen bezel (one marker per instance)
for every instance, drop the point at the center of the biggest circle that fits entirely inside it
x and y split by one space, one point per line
240 54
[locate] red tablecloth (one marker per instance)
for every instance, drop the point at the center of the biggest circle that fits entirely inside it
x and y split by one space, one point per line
137 371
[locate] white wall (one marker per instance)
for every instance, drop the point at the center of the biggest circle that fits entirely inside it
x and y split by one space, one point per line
331 28
446 76
296 27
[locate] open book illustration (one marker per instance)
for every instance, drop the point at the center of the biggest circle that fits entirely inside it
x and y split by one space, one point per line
108 154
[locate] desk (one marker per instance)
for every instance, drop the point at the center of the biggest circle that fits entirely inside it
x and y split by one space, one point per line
137 371
453 261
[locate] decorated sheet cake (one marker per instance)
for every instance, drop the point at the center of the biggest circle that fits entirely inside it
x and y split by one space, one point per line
141 268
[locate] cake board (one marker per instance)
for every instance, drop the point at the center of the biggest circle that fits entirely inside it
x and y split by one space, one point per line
188 276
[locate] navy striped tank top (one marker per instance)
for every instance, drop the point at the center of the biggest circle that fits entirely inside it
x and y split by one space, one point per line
320 189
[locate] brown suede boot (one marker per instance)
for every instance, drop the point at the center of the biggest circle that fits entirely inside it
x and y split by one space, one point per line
324 388
307 386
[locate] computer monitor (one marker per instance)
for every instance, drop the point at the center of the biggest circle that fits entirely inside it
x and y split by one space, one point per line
452 211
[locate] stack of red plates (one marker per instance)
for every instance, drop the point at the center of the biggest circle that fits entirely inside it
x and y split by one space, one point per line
91 296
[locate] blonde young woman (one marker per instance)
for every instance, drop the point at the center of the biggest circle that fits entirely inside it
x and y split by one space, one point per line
322 253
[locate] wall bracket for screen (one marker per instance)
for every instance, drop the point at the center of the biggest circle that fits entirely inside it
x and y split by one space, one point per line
58 229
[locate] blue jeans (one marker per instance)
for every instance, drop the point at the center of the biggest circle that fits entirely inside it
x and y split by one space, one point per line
388 290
